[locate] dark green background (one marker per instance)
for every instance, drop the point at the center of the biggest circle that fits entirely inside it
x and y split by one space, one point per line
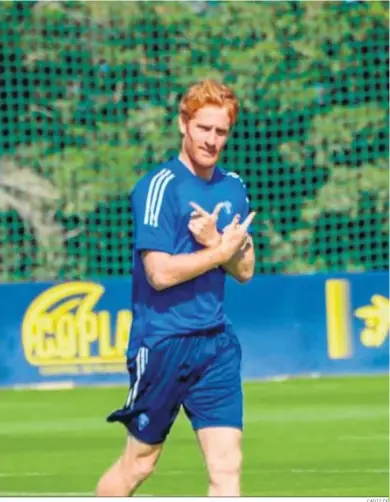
88 103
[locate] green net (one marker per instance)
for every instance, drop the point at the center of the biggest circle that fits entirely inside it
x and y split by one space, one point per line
88 104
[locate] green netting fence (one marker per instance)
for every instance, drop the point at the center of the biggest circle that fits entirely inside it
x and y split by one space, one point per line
88 103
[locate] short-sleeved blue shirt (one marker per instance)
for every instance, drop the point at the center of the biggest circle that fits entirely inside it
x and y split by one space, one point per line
161 211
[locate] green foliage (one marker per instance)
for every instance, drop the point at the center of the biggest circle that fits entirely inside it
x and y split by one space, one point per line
89 104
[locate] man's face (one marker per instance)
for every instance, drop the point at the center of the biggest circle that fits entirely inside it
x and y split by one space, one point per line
205 135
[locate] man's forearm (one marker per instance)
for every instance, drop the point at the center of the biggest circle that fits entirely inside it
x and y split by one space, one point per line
242 264
164 270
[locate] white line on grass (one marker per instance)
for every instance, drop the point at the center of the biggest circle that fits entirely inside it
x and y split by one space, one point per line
57 494
339 471
23 474
374 437
181 472
44 494
288 471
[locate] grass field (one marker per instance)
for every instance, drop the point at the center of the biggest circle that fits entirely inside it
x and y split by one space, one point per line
323 437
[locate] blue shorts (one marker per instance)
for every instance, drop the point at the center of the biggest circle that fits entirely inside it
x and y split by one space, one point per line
201 372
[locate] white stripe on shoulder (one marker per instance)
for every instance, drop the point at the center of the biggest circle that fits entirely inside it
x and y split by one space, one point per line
151 192
236 176
156 214
156 193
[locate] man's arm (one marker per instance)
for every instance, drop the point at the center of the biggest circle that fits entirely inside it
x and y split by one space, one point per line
242 265
164 270
203 227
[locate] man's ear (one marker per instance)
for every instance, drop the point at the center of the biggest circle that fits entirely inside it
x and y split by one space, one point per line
182 125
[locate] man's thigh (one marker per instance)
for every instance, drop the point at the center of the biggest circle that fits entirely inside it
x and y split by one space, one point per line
216 399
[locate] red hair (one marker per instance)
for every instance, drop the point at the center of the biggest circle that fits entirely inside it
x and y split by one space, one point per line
209 92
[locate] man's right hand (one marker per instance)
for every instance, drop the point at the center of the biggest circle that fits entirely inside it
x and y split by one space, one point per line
234 237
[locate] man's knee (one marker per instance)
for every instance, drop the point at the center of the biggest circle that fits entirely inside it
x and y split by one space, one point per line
126 475
224 467
139 460
141 468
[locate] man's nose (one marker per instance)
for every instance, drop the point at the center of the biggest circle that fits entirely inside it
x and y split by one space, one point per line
211 139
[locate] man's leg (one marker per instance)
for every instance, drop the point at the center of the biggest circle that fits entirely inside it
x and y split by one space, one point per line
132 468
214 404
150 410
221 448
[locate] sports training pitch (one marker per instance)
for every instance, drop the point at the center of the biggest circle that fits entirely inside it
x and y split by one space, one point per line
317 437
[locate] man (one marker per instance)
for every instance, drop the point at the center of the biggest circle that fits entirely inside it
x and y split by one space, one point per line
191 227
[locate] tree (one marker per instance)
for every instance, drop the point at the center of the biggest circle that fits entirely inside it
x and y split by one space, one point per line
30 202
100 86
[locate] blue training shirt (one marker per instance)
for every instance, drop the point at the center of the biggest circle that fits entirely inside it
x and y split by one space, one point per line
161 211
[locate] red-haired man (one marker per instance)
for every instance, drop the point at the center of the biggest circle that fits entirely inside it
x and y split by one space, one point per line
191 227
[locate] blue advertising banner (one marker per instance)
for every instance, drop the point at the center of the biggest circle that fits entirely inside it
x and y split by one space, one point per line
77 332
307 325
